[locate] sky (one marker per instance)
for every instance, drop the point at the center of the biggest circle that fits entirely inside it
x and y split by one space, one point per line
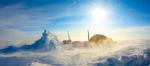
23 21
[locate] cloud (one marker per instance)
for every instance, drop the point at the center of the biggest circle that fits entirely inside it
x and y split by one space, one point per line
13 15
139 32
138 29
17 20
40 17
14 37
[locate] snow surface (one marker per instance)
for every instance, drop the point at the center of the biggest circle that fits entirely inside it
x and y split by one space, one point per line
121 53
134 53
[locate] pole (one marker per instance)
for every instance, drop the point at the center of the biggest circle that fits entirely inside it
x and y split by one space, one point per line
88 35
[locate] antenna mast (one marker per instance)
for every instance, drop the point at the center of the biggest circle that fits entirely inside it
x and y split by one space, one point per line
88 35
69 36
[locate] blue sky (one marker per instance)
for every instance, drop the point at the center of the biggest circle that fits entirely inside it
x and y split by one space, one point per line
21 19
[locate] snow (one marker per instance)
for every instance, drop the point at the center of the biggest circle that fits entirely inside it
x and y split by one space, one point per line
42 44
121 53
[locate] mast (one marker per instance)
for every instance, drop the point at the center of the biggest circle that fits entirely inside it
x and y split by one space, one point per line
69 36
88 35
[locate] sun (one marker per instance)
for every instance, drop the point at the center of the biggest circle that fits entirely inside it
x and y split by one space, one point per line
99 17
98 14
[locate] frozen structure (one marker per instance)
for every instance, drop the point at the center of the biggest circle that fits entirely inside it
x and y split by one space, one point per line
67 41
100 39
43 44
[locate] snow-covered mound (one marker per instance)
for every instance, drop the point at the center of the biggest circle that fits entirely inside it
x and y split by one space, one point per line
43 44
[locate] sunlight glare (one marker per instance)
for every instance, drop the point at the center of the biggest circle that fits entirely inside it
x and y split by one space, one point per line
98 14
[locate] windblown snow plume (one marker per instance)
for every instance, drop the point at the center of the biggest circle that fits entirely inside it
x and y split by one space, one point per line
120 53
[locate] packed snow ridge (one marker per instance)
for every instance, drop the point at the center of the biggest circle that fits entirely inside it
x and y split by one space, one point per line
43 44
